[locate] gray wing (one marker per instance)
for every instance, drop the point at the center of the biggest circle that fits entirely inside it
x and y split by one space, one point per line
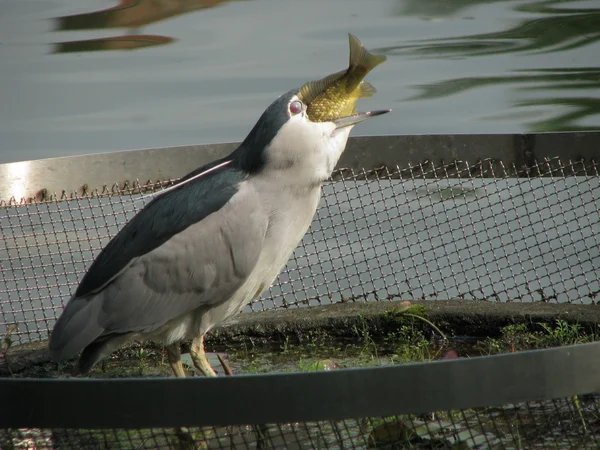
167 215
165 274
201 266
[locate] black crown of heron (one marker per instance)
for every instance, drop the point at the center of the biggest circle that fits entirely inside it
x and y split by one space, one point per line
201 250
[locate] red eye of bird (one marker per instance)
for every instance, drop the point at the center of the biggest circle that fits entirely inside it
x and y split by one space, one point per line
295 107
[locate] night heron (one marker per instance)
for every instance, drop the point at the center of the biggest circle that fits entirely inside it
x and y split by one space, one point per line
198 253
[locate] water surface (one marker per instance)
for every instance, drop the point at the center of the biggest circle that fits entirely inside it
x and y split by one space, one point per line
97 75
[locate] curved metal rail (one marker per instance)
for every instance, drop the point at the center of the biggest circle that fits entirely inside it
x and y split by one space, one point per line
336 395
37 180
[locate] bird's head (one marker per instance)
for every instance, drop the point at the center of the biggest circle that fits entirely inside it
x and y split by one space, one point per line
305 130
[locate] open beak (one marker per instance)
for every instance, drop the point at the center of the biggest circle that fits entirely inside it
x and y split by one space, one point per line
347 121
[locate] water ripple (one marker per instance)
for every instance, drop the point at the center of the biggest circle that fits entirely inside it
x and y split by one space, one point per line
554 31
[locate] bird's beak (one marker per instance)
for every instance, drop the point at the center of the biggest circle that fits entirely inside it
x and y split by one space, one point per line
343 122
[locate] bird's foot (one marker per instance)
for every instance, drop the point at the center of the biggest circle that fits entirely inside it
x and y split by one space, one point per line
199 357
174 355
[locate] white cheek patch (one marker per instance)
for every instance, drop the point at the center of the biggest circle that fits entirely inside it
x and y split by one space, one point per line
310 150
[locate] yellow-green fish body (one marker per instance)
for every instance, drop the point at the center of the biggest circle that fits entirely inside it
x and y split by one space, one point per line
336 95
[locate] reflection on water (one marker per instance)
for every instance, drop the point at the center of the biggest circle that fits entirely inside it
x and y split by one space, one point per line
130 14
561 29
578 109
131 42
553 29
542 80
584 78
436 8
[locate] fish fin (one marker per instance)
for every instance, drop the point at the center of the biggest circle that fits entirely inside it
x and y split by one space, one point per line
366 89
360 56
313 89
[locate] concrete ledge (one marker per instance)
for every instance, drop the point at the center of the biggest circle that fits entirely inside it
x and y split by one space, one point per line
453 317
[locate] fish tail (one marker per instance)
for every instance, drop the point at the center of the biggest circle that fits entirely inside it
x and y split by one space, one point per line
361 58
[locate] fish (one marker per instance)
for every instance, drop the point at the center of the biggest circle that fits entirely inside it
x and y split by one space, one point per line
336 95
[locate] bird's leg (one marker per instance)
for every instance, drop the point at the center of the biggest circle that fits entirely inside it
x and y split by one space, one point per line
199 357
174 355
184 435
225 365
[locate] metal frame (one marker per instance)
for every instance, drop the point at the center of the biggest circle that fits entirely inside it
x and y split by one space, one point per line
40 179
278 398
335 395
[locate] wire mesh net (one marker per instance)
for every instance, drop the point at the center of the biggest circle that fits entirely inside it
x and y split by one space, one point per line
483 232
423 232
561 423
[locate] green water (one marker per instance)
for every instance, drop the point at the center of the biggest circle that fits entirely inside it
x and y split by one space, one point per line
80 77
